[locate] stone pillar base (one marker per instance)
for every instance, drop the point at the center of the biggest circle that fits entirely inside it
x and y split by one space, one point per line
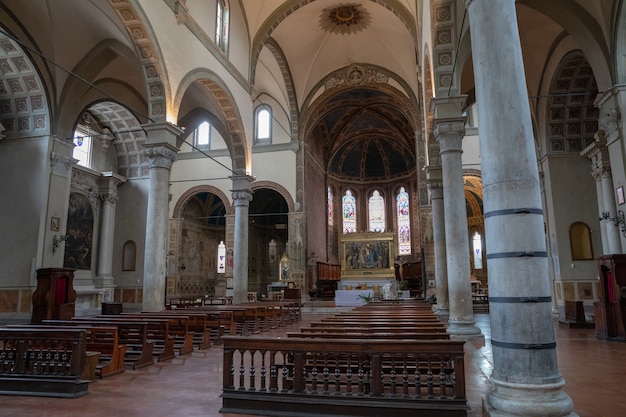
462 328
442 312
527 400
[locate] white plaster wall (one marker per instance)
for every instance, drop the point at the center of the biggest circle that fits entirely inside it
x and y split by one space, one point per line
188 173
572 199
278 167
471 150
23 194
130 224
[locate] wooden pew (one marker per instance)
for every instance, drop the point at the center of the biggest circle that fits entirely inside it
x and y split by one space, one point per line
158 331
132 333
177 327
43 361
374 329
198 325
377 324
368 335
102 340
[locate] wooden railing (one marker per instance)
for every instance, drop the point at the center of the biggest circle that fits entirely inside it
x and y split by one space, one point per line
300 377
46 362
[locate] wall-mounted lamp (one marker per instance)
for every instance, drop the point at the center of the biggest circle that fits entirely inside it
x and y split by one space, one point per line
618 220
56 240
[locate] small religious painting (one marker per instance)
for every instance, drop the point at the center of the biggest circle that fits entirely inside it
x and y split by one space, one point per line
355 73
55 224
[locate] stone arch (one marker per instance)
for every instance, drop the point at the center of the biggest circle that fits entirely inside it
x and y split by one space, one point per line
187 195
620 47
77 94
585 29
149 55
229 116
279 189
377 78
274 48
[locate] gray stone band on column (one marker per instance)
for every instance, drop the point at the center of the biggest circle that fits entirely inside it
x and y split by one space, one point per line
524 210
533 346
519 254
520 299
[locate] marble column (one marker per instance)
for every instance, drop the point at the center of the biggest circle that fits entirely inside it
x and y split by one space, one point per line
242 195
435 183
449 133
160 149
108 196
526 380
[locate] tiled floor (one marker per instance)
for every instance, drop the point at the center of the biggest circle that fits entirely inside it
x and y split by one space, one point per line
190 386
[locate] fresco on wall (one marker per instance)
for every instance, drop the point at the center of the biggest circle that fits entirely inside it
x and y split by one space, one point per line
79 233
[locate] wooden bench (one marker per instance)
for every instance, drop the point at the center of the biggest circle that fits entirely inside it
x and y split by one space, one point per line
103 347
131 333
177 327
198 325
43 361
158 331
367 335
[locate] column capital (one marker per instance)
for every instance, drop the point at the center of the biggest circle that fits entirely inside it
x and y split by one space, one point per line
160 156
242 198
598 153
449 132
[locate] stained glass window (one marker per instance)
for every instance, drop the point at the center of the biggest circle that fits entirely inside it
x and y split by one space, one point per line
348 204
404 223
377 212
330 207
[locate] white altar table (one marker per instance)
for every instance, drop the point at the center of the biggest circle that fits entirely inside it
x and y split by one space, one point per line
351 298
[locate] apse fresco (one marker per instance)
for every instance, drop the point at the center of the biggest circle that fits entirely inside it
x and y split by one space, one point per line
79 233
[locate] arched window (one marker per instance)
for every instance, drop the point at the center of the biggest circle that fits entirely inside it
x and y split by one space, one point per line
376 206
82 147
221 25
129 255
202 136
348 204
404 222
580 242
477 250
330 207
263 125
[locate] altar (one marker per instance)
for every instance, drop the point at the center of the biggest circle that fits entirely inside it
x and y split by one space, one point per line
352 298
367 260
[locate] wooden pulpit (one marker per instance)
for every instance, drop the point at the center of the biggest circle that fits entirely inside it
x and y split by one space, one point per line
55 297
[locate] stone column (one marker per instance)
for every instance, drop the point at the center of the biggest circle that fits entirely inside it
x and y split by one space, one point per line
108 195
435 183
160 149
242 195
598 153
449 133
525 374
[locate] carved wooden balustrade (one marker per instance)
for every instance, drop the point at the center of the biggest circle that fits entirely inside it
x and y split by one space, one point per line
46 362
343 377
